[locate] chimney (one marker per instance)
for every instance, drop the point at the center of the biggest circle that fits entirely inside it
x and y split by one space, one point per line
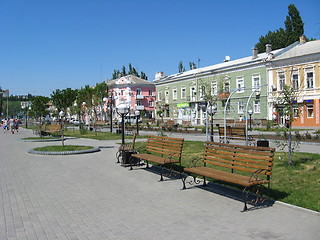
254 53
159 75
268 48
302 39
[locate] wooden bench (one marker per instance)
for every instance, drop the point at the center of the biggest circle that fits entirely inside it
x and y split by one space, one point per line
163 151
186 124
126 147
235 133
50 128
247 166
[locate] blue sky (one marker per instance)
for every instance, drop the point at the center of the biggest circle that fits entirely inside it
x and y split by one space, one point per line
55 44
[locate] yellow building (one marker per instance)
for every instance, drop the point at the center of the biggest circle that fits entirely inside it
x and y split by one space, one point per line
298 66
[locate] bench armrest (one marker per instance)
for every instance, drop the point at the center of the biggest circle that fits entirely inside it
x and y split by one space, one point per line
196 162
255 175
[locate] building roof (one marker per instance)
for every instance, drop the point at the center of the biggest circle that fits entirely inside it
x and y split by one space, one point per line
300 49
216 68
129 80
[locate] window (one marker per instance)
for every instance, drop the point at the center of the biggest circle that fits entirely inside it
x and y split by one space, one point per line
310 111
174 93
183 92
281 80
150 93
227 87
166 95
256 81
241 107
240 84
138 102
256 106
309 78
193 94
214 88
122 93
138 91
159 96
295 80
295 111
150 103
227 108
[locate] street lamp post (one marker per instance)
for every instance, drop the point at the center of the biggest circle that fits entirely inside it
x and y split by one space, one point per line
105 113
61 114
250 114
122 110
212 110
111 110
137 113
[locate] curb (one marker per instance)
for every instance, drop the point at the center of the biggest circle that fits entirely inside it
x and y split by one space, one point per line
92 150
42 140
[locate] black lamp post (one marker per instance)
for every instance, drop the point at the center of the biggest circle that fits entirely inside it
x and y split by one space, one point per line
250 114
61 114
212 110
111 110
137 113
122 110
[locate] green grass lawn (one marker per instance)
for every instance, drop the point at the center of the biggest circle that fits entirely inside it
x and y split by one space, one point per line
96 135
60 148
298 185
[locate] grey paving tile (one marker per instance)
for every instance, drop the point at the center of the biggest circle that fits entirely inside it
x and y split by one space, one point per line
91 197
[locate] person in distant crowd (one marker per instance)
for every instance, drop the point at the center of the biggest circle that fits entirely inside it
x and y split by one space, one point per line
16 124
11 125
5 125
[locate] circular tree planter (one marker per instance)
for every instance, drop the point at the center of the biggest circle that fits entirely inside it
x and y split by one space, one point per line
84 151
41 139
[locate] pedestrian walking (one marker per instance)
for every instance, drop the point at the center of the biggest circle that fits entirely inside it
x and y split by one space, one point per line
16 124
5 125
11 125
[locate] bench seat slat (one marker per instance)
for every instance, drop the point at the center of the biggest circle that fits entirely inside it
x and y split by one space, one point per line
153 158
225 176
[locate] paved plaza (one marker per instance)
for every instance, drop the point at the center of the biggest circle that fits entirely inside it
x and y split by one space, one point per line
90 196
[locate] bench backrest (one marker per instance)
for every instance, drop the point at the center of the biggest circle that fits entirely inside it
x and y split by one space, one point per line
239 158
55 127
238 131
233 133
165 146
221 131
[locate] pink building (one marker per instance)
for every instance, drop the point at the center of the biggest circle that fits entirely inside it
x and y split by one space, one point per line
135 92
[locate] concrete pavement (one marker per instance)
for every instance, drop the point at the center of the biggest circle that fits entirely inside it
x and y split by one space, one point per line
89 196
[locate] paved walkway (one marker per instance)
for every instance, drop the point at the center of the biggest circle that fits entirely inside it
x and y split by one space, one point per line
91 197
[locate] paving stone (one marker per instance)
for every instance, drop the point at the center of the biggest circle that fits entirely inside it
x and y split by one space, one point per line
90 197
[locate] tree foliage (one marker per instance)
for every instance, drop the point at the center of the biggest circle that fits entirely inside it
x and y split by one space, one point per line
39 106
132 71
294 28
181 68
63 99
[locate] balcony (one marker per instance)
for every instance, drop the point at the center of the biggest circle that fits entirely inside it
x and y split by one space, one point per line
139 97
224 95
140 108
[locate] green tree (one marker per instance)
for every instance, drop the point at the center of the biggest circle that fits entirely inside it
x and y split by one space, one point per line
192 65
98 93
39 107
132 71
62 100
181 68
294 28
288 97
294 25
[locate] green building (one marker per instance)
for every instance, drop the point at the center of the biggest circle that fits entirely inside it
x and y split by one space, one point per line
231 87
